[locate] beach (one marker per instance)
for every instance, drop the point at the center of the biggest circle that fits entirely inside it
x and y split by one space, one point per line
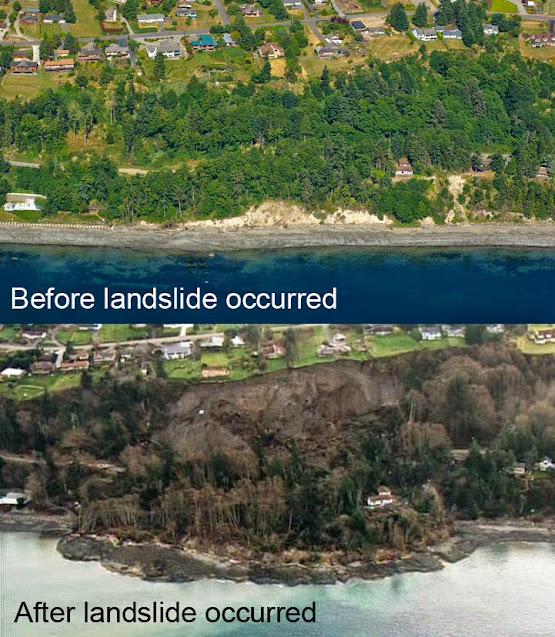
228 238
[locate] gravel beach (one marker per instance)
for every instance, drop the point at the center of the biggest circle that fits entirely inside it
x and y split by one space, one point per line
212 239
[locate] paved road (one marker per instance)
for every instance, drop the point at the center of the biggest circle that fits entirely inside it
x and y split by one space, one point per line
223 13
312 22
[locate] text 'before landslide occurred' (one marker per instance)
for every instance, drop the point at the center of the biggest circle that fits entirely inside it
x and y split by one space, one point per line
161 613
176 299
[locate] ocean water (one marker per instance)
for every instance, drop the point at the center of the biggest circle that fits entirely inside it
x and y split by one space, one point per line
373 285
500 590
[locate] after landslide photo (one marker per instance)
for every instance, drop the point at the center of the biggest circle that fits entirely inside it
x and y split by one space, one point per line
365 468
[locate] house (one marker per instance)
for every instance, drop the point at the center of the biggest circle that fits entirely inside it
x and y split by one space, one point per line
23 66
22 201
497 328
376 329
104 356
205 42
293 4
12 373
90 53
251 12
59 65
74 366
185 13
452 34
383 499
111 14
214 342
33 335
271 51
519 470
61 52
358 26
541 39
29 18
184 4
151 18
228 40
542 174
375 31
177 351
276 350
330 52
215 372
404 168
169 48
336 346
545 465
52 18
542 336
117 51
454 331
237 341
425 34
43 368
431 333
13 499
333 40
491 29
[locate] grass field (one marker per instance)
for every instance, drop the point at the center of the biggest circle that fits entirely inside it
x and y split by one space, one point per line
403 343
503 6
550 7
29 86
87 24
75 337
118 333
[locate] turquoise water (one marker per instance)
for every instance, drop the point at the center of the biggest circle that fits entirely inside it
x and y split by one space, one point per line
500 590
408 286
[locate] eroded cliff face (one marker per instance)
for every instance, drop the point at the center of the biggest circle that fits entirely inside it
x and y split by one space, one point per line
302 403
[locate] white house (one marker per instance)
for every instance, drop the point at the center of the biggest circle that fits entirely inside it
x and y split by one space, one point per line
425 34
177 351
22 201
237 341
12 373
545 465
111 14
491 29
170 49
430 333
151 18
384 499
214 342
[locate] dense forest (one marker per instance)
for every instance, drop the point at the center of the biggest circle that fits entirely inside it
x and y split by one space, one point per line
289 459
328 143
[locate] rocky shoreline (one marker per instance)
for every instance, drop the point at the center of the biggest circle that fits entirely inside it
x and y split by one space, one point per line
229 239
157 562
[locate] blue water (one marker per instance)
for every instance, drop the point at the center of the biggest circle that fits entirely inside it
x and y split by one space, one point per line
499 590
409 286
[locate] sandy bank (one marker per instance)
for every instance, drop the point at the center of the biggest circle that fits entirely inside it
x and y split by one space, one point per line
213 238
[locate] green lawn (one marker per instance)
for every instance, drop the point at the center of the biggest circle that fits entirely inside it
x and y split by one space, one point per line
503 6
116 333
8 333
76 337
402 343
87 24
29 86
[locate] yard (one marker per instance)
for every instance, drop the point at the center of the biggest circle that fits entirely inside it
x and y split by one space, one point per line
75 337
87 24
28 86
403 343
527 346
503 6
118 333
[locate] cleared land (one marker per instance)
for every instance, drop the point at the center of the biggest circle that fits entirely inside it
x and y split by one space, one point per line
87 24
503 6
29 86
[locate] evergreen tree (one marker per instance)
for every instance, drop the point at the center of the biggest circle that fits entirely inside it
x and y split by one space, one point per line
130 10
159 66
397 17
420 17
